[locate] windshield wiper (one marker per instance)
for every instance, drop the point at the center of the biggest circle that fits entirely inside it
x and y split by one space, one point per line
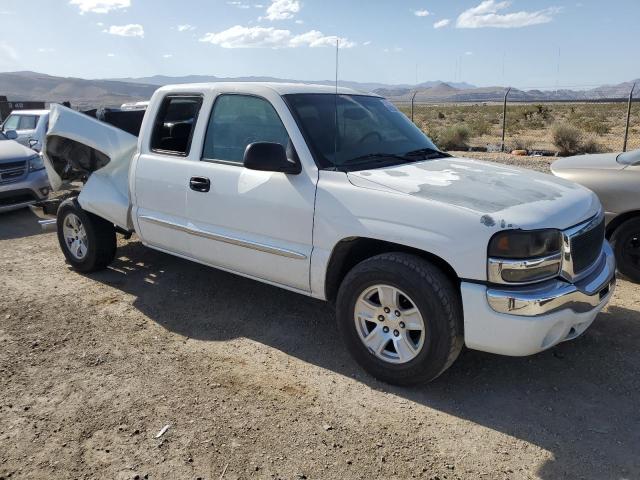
427 153
376 156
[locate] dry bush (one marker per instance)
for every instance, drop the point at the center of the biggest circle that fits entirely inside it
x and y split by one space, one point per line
453 138
566 138
591 145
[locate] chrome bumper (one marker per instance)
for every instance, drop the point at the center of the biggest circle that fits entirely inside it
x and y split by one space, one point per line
551 296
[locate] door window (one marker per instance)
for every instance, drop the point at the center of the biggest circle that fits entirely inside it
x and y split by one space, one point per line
238 121
174 124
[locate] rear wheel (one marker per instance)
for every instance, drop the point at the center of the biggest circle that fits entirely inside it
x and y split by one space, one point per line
400 318
626 245
87 241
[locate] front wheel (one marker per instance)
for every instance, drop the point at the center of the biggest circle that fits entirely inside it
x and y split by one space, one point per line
400 318
626 245
87 241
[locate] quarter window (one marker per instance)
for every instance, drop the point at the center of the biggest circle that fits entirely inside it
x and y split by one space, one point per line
238 121
174 124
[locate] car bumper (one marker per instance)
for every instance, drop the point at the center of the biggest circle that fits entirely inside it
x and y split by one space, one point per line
522 321
33 188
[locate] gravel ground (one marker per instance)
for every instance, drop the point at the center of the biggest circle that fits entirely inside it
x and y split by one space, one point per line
254 383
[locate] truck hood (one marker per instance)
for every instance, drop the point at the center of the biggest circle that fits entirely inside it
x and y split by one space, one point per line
11 150
78 147
502 196
602 161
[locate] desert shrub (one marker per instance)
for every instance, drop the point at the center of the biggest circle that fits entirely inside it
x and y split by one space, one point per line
591 145
480 127
453 138
595 125
566 138
521 144
441 116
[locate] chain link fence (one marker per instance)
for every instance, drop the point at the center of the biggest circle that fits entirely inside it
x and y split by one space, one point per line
547 128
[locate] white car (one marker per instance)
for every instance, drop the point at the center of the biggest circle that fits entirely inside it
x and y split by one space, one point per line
420 251
27 127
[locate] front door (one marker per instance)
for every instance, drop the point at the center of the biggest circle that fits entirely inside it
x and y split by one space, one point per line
251 222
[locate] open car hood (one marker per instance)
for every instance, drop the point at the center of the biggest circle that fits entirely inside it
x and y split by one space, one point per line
78 147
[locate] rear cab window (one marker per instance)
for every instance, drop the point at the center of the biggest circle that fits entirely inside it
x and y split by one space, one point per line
174 125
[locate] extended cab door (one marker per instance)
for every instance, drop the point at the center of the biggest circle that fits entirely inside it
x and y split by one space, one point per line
251 222
161 178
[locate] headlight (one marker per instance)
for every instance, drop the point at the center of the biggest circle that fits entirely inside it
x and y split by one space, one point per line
517 256
36 163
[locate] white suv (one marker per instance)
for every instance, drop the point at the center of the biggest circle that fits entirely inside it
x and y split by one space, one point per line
30 127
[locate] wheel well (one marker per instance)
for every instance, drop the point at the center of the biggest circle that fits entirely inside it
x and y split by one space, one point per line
351 251
619 220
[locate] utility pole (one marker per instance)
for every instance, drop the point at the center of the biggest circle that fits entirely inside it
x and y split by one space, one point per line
626 129
504 118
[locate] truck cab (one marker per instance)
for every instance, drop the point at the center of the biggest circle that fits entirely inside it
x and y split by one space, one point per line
338 196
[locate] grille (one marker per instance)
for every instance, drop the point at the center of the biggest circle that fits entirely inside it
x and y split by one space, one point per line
12 171
586 248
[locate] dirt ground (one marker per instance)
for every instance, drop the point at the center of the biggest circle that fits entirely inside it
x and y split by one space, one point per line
254 383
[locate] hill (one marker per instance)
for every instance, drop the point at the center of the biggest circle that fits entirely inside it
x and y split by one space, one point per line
91 93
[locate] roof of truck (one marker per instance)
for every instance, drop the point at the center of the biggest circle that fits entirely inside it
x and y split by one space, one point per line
255 87
29 112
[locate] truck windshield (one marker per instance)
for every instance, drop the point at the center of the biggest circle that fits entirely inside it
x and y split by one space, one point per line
370 131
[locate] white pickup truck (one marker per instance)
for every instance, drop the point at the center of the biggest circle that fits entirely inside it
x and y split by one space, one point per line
340 197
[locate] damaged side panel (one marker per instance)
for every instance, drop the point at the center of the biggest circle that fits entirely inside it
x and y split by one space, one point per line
81 148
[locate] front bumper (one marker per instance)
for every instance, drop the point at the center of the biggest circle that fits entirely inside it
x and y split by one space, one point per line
32 188
525 320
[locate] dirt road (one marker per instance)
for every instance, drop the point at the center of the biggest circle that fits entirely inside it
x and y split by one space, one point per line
254 383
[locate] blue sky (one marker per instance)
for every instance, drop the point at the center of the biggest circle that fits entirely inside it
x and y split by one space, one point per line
490 42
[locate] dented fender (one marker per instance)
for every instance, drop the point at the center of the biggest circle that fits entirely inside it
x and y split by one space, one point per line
78 147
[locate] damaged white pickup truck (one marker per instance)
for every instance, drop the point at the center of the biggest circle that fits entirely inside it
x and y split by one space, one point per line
340 197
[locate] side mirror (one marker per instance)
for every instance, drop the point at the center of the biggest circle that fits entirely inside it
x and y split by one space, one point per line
269 157
11 134
33 142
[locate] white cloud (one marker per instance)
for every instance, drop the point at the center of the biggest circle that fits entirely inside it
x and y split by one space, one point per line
167 55
442 23
282 9
241 5
111 55
367 43
486 15
468 53
261 37
100 6
131 30
46 50
8 51
393 50
7 12
185 28
421 13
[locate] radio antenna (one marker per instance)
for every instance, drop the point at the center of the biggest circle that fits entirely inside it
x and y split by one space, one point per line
335 153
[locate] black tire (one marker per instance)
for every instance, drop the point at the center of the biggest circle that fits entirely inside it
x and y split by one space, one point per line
626 246
100 235
435 296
